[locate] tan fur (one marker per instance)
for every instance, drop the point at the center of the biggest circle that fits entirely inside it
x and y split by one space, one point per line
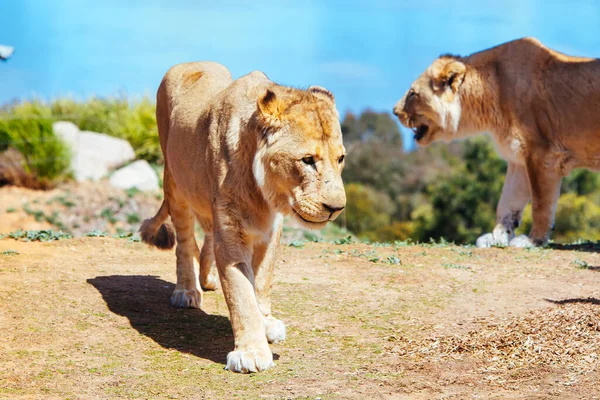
238 158
541 107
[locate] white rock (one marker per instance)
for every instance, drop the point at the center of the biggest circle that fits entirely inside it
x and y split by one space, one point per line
93 154
138 174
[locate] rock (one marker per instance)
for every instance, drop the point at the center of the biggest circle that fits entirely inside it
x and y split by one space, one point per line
93 154
138 174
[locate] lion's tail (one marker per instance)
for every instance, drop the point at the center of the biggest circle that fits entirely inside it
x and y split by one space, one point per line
155 232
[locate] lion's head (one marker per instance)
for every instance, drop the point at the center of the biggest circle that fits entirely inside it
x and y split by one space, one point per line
431 107
299 165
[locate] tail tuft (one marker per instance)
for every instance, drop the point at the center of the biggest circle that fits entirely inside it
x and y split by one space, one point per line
162 238
155 232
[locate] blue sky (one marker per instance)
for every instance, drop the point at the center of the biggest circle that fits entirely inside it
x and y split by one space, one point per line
366 52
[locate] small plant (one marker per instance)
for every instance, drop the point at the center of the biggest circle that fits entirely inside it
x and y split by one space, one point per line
9 253
63 200
394 260
122 235
466 253
403 243
96 233
109 215
298 244
132 192
133 218
455 266
39 236
119 201
581 264
10 210
37 214
373 258
311 237
134 239
54 220
344 240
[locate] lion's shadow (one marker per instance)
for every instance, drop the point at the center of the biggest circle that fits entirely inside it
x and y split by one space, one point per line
144 300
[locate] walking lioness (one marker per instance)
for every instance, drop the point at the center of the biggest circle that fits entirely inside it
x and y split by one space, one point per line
239 155
542 109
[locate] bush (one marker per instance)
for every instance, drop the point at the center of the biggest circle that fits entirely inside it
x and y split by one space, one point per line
366 210
46 157
577 217
133 121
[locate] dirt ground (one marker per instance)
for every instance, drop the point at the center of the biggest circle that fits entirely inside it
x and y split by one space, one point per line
90 318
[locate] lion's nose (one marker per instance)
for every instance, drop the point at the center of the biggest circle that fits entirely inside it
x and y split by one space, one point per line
397 111
332 209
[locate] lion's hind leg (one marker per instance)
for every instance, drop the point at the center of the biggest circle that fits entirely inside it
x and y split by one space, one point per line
187 292
209 276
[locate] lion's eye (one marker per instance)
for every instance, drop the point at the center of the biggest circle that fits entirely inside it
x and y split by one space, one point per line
411 93
341 159
309 160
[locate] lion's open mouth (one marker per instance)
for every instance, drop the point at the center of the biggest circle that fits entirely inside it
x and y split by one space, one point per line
420 131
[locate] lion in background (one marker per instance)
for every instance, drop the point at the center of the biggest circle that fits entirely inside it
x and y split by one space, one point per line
238 156
542 109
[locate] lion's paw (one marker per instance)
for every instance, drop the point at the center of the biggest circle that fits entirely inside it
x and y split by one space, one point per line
490 240
498 238
249 361
187 298
521 241
275 330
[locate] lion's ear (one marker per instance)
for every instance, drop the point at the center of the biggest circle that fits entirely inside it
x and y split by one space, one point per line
452 75
321 93
271 108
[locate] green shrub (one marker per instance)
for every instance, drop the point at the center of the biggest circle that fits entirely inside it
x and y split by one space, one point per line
577 217
366 210
134 121
46 156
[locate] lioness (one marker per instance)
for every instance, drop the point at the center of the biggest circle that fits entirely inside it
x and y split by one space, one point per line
238 156
542 108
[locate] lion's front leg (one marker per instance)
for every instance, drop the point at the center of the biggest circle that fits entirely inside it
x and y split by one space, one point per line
263 264
545 190
515 196
251 352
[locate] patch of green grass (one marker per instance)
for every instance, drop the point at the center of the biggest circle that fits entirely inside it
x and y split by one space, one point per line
393 259
581 264
344 240
298 244
39 236
37 214
10 210
119 201
455 266
9 253
133 218
132 192
311 236
55 220
122 235
109 215
96 233
464 253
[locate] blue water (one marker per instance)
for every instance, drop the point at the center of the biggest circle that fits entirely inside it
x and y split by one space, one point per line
365 52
